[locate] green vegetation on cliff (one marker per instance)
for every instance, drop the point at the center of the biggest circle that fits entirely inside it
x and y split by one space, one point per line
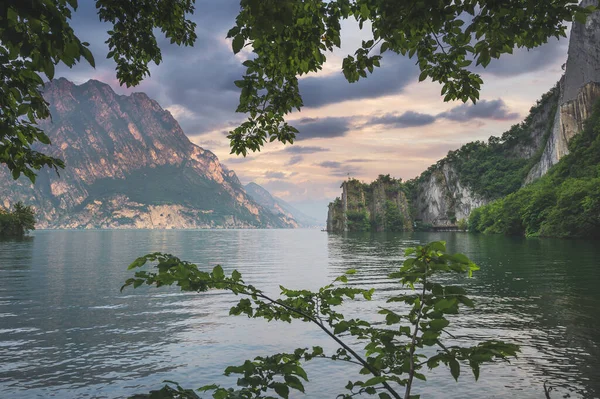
499 167
563 203
378 206
18 222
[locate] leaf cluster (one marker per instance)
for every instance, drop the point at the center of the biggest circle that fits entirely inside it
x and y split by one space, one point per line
290 38
392 353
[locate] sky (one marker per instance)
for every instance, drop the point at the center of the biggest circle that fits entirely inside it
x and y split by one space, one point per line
387 123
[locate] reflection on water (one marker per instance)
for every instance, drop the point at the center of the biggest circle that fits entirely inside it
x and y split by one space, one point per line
67 332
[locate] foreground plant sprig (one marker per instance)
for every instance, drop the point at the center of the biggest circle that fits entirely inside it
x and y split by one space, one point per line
393 354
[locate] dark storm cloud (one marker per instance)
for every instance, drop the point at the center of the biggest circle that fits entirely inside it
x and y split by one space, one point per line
484 109
311 128
407 119
274 175
395 73
294 160
298 149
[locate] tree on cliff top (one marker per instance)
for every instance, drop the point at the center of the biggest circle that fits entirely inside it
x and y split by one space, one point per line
288 38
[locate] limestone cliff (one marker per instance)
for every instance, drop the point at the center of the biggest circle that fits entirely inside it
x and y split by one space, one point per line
580 89
379 206
441 200
128 165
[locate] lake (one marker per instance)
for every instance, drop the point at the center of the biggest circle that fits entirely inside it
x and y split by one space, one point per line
67 332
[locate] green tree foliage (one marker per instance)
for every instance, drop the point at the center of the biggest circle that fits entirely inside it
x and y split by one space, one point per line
18 222
289 38
395 350
358 220
563 203
394 220
35 35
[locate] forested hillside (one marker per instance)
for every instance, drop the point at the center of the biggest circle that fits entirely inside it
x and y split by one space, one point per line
563 203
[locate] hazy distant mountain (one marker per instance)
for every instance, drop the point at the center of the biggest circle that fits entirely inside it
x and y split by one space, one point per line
129 164
278 206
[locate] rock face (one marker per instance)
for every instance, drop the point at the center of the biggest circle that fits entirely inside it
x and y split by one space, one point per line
568 121
280 207
129 165
580 89
441 200
381 205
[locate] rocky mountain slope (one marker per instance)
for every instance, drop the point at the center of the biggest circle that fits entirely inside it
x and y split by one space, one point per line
129 165
280 207
480 172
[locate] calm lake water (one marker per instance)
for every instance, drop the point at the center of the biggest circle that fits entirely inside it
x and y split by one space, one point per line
67 332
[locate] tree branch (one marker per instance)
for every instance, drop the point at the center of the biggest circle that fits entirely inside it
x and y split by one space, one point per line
413 343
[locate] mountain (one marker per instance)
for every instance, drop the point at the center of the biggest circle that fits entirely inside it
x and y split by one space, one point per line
129 165
279 206
479 173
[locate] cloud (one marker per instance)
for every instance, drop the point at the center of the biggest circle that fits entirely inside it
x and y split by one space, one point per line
298 149
394 75
330 164
346 171
329 127
294 160
239 159
275 175
359 160
524 61
484 109
407 119
339 169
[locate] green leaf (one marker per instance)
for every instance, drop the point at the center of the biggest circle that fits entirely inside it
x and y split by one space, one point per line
454 368
237 43
475 368
218 273
281 389
581 17
294 382
139 262
438 324
236 276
